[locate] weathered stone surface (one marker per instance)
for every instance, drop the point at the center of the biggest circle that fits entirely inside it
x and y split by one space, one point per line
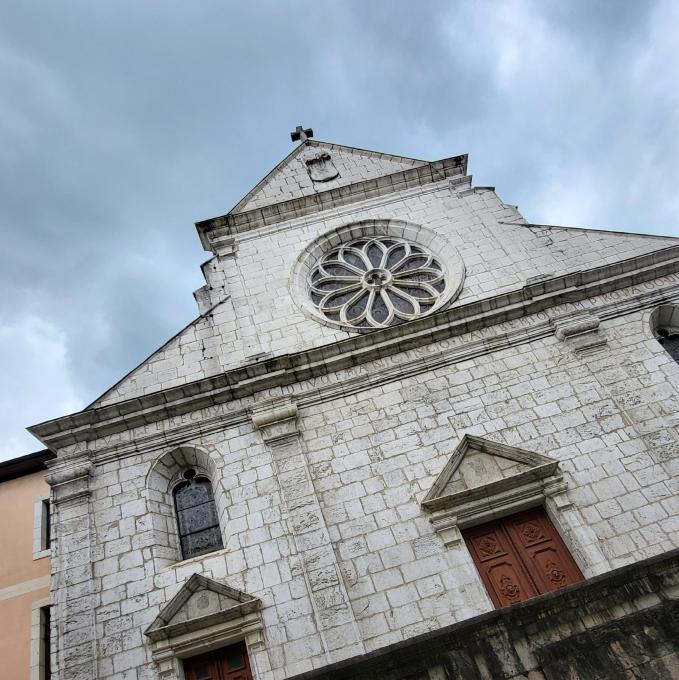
549 637
321 446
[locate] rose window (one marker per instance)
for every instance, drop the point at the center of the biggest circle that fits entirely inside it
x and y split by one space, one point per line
376 282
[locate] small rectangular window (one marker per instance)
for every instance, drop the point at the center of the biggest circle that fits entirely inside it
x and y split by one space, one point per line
45 540
41 640
42 522
45 642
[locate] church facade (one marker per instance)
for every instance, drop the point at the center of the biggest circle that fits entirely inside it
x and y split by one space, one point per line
409 435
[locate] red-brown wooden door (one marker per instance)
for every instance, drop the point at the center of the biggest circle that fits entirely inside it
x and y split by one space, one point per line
521 556
228 663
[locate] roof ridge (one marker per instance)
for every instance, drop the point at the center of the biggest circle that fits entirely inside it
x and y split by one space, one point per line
322 144
598 231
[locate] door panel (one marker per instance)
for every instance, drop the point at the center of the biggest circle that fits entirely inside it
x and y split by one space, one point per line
234 663
521 556
228 663
546 557
500 567
203 667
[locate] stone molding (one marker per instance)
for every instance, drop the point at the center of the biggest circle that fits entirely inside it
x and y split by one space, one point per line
479 504
214 230
231 616
276 419
70 481
294 368
580 332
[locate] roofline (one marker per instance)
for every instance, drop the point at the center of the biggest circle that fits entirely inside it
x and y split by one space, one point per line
312 142
225 227
132 371
594 229
25 465
296 367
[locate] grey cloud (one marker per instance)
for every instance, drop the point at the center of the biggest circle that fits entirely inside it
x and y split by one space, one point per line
123 123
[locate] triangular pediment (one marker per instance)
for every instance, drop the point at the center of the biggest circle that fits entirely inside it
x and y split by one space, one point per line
479 466
316 166
201 602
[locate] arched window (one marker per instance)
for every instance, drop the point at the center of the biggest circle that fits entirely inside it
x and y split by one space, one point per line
199 531
665 326
670 341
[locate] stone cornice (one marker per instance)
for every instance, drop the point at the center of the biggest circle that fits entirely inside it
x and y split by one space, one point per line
292 368
219 230
276 419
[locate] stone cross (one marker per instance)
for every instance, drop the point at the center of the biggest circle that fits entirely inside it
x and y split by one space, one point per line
301 134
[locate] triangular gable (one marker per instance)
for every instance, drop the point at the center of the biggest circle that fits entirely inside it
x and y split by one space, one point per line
200 602
291 179
484 480
480 467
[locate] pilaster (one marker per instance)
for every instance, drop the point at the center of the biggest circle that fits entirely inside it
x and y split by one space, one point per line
278 423
73 589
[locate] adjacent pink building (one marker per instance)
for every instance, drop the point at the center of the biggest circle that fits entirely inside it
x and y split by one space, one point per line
24 568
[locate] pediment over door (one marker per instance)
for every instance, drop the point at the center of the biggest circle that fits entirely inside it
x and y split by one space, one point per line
484 479
204 614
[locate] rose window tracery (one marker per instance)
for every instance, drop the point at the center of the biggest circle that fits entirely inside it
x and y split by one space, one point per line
376 282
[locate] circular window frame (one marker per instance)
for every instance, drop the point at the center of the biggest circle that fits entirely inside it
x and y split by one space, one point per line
446 255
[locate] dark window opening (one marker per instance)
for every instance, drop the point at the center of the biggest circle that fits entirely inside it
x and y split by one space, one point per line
670 342
45 643
199 531
45 530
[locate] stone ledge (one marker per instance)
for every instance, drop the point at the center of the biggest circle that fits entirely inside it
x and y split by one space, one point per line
234 223
291 368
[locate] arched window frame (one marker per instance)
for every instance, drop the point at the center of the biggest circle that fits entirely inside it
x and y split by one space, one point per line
165 472
664 323
188 477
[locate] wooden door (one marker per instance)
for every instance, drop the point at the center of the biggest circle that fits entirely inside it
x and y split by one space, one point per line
228 663
543 552
521 556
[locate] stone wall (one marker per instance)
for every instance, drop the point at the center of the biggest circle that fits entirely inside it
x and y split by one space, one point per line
624 624
255 315
372 440
320 469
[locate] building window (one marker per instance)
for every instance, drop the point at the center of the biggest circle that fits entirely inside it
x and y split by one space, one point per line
670 341
197 522
665 327
41 528
41 642
46 640
45 533
521 556
376 282
376 274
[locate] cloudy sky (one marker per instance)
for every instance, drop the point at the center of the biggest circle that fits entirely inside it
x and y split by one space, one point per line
122 123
